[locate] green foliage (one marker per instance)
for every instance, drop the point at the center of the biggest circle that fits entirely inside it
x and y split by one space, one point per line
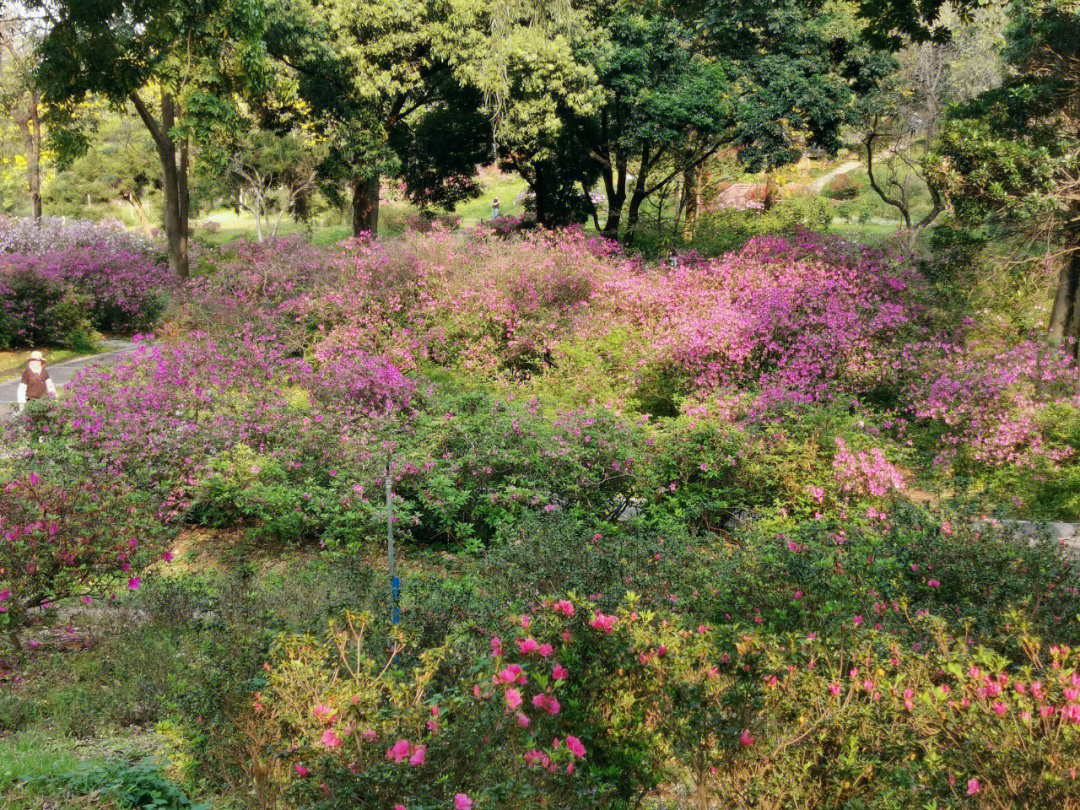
39 311
843 187
140 786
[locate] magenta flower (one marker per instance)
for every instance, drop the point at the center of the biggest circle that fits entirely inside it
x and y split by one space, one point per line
933 583
513 699
972 787
559 673
301 771
857 620
330 739
575 746
462 802
418 756
527 645
399 751
546 702
134 583
745 739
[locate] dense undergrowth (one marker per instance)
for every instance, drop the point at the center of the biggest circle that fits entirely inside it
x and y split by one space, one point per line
657 524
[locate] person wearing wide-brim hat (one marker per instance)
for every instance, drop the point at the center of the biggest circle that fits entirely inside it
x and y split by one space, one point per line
35 382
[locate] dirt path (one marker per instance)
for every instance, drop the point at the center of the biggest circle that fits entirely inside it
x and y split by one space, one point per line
848 166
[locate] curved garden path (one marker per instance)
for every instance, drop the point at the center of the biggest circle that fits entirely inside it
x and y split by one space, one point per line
62 373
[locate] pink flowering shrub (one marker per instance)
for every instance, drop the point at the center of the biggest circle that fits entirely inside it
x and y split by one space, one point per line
63 538
121 291
550 718
1009 418
952 726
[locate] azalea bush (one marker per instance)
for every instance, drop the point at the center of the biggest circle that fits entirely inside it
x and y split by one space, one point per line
26 235
112 290
63 538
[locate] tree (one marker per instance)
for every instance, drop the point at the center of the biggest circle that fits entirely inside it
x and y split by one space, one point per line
21 99
662 101
379 75
182 64
899 120
120 163
266 162
1010 158
544 129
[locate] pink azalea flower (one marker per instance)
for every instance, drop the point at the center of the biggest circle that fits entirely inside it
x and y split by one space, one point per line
462 802
399 751
527 645
973 787
513 699
418 756
858 620
575 746
330 739
546 650
523 719
134 583
600 621
745 739
933 583
563 606
301 771
559 673
546 702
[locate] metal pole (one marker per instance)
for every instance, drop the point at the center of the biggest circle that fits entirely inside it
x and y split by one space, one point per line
395 583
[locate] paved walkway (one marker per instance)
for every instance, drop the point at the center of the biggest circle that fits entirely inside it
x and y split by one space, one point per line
62 373
849 166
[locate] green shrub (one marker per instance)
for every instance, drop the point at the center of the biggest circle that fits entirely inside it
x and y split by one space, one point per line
36 310
843 187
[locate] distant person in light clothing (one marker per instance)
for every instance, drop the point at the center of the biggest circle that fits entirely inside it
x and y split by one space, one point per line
35 382
495 208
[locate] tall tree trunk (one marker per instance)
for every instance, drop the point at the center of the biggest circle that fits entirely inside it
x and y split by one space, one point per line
638 197
365 206
1065 315
541 196
30 128
174 180
34 159
691 199
616 194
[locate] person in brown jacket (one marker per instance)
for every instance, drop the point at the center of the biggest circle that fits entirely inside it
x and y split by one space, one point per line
35 382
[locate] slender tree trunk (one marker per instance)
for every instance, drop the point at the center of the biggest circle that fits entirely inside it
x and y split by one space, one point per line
691 199
30 127
616 194
365 206
1065 315
640 186
34 159
174 180
134 199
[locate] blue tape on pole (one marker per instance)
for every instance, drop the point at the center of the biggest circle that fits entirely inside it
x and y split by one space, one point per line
395 588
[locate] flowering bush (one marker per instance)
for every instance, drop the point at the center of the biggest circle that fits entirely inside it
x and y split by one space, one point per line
843 187
122 290
1011 418
59 539
35 310
34 237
